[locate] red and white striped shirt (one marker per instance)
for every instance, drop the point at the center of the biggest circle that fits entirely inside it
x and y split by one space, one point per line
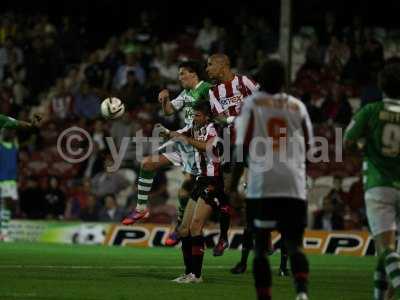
208 162
227 97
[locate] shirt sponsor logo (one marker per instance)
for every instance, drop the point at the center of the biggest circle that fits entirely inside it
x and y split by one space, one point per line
231 100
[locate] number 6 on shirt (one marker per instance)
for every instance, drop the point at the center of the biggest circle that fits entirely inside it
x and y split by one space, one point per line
277 128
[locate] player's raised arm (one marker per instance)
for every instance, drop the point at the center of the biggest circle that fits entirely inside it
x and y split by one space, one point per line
163 98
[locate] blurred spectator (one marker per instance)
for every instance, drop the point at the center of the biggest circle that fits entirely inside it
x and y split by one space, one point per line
207 35
131 64
111 212
114 58
78 199
61 102
154 85
313 110
356 32
94 71
336 106
314 54
337 55
351 219
354 70
125 127
72 80
69 34
337 195
131 92
8 28
14 78
9 53
329 29
94 164
167 66
90 212
373 54
105 183
355 199
32 202
54 199
36 65
328 218
369 89
86 102
99 134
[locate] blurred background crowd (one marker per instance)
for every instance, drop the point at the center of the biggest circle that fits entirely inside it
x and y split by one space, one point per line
51 66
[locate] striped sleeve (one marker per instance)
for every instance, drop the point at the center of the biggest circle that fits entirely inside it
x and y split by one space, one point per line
211 132
179 102
251 84
216 107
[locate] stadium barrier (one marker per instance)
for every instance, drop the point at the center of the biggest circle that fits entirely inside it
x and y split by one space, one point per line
355 243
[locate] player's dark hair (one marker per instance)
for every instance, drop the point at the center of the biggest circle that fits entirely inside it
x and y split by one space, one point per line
203 106
194 66
272 76
389 80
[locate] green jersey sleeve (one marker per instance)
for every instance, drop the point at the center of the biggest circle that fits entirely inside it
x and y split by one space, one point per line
8 122
359 124
179 102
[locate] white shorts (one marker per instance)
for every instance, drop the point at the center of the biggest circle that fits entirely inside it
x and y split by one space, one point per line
9 190
180 155
383 209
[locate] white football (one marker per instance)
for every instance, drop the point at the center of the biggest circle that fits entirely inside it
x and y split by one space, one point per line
112 108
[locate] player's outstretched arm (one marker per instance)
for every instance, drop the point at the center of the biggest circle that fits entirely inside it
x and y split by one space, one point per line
199 145
223 120
11 123
35 122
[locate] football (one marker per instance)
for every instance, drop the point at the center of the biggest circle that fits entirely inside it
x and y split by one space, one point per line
112 108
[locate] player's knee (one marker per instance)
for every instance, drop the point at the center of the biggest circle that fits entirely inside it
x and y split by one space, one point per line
292 247
183 193
196 226
148 164
187 187
183 230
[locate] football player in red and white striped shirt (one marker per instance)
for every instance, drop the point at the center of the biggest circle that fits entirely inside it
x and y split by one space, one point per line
207 192
226 100
226 97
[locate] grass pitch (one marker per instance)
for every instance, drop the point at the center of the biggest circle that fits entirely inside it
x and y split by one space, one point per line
44 271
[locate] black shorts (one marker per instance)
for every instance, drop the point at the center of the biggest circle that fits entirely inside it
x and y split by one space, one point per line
211 189
288 215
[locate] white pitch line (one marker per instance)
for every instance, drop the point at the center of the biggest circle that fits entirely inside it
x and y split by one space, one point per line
19 295
101 267
137 267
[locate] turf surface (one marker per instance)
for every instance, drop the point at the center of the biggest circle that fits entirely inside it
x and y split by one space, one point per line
44 271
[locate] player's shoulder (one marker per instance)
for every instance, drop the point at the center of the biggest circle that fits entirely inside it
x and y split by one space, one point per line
256 96
248 79
371 108
297 102
206 85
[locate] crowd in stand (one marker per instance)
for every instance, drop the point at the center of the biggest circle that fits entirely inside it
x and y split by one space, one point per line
50 68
